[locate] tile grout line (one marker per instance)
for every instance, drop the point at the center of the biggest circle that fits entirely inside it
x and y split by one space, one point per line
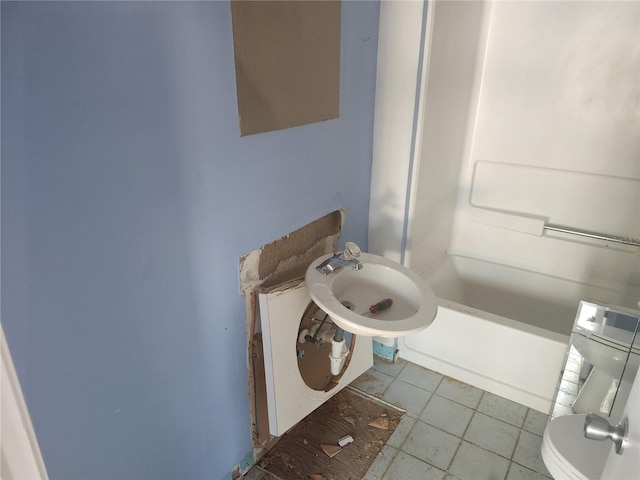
521 426
384 473
459 438
475 410
375 399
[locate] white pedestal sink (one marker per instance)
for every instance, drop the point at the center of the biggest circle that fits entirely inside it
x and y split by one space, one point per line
414 303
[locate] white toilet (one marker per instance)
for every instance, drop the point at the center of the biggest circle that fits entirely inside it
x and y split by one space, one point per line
603 336
601 377
568 455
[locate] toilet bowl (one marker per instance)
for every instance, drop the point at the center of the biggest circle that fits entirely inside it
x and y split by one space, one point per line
607 360
603 336
568 455
607 355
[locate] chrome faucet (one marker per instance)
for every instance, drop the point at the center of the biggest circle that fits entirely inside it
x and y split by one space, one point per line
347 258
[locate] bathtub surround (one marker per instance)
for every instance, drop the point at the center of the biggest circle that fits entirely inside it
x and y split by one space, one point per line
564 119
424 101
520 90
401 32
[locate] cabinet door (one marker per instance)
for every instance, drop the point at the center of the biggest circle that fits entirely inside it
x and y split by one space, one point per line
289 398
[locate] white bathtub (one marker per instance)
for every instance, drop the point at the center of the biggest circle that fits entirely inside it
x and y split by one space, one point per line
501 329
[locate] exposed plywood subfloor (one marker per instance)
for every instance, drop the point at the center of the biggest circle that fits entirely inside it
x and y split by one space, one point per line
299 452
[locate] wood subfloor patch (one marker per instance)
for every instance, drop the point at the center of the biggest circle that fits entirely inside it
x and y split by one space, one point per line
300 454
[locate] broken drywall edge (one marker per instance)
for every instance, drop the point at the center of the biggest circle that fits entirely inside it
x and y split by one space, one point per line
331 450
249 277
381 423
289 256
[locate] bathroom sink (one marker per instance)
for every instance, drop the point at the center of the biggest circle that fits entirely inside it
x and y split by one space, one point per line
414 304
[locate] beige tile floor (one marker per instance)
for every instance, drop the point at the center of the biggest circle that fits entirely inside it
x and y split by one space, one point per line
451 430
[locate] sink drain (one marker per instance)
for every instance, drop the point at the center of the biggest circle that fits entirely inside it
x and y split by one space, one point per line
348 305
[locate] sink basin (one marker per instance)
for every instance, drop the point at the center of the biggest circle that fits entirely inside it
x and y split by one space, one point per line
414 303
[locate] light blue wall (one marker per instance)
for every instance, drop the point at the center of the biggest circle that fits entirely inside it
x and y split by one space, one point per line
127 198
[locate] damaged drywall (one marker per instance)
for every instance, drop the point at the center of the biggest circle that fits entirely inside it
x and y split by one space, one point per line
277 262
287 57
288 257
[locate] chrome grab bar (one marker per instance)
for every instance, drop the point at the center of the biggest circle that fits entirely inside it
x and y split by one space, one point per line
586 233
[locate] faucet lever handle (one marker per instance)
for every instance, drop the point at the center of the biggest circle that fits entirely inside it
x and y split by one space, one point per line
351 251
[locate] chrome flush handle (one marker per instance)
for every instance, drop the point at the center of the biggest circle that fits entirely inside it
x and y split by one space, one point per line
598 428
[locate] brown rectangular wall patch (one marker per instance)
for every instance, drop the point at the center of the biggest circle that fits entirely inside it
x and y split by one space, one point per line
287 56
